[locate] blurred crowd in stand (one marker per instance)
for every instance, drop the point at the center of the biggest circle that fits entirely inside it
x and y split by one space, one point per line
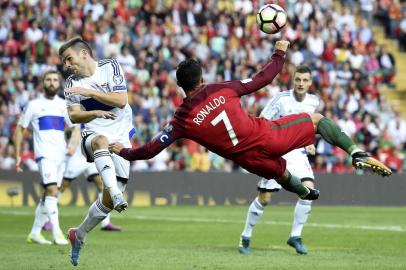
149 39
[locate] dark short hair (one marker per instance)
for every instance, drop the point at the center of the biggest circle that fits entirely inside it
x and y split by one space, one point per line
188 74
303 69
46 73
76 44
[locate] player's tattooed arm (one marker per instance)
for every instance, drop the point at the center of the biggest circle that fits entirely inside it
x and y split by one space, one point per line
115 99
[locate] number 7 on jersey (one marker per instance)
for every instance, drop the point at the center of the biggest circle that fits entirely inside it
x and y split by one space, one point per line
223 117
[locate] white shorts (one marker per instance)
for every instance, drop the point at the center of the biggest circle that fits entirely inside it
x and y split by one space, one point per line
297 164
77 165
51 171
121 165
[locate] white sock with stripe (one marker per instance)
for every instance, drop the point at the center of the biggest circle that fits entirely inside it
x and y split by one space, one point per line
106 169
302 212
105 221
40 218
254 214
51 207
97 212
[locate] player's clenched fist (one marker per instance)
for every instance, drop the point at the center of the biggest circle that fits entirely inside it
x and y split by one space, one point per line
282 45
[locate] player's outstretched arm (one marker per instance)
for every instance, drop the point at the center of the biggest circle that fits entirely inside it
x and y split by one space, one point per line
269 72
115 99
149 150
76 115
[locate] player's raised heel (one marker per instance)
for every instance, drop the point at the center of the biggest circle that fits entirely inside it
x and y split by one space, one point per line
313 194
76 246
119 203
244 246
296 243
362 160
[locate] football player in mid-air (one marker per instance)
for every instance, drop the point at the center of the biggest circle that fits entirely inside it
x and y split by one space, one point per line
96 95
47 115
283 104
211 115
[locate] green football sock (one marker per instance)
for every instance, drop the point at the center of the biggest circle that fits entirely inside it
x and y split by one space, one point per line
293 184
335 136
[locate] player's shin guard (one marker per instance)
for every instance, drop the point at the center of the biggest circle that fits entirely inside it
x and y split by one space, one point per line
40 218
302 212
107 171
255 212
97 212
51 207
293 184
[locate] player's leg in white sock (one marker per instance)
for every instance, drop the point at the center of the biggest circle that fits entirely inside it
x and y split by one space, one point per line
97 212
302 212
104 164
51 207
106 169
40 218
255 212
105 221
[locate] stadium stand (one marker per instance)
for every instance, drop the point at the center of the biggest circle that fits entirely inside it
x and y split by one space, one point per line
350 58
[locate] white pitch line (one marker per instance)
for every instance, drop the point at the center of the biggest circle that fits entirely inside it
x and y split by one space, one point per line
389 228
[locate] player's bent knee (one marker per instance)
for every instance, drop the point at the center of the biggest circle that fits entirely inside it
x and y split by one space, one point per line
264 198
51 190
316 117
100 142
308 182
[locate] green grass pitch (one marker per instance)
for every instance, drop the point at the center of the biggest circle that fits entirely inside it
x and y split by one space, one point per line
189 237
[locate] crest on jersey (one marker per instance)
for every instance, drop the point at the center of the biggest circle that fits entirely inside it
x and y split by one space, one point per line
118 79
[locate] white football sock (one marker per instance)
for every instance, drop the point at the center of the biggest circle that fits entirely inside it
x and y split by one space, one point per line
302 212
97 212
107 171
105 221
40 218
254 214
51 207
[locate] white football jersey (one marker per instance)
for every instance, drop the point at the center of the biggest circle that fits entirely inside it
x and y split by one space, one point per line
285 103
47 118
108 77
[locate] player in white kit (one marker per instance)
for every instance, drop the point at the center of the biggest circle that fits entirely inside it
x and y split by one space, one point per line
77 165
47 116
282 104
96 95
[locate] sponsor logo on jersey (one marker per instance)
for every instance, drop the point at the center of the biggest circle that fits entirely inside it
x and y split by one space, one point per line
206 110
119 87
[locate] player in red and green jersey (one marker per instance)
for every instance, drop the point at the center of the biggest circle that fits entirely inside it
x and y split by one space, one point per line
211 115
